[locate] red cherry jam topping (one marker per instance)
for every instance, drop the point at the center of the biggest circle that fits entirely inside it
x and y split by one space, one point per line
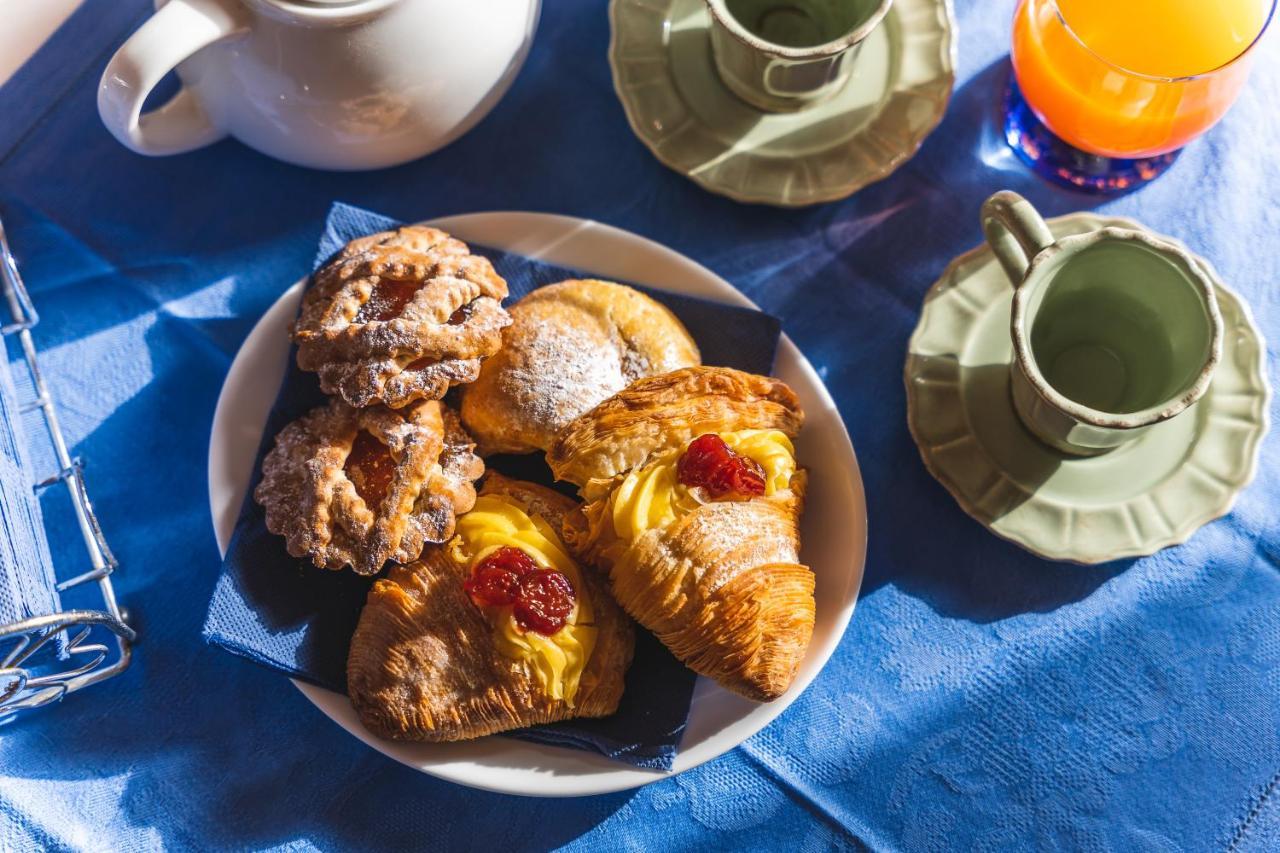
387 300
492 587
541 598
370 469
544 601
509 559
710 463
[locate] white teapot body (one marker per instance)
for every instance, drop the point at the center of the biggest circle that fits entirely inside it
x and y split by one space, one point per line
361 84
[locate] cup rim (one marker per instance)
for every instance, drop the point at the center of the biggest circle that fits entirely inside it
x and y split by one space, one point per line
1173 405
720 12
1239 57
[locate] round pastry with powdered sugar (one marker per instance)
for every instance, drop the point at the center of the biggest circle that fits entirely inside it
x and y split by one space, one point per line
400 316
570 346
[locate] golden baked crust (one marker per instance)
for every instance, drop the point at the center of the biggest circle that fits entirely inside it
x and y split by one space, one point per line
668 411
450 490
423 665
434 314
569 346
313 500
721 586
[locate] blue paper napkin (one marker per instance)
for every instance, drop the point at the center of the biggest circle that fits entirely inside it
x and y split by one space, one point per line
283 613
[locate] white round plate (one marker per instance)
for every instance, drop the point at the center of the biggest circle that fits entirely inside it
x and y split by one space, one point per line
834 527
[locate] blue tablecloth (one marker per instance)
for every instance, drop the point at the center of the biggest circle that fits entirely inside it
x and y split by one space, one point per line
981 698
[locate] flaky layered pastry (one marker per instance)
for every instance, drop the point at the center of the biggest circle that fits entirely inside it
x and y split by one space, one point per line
717 579
357 487
429 664
400 316
569 346
665 412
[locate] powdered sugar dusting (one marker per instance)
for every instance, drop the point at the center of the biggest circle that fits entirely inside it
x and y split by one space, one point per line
734 529
564 372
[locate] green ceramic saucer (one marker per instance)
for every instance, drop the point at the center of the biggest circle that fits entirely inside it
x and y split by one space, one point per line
1151 493
665 77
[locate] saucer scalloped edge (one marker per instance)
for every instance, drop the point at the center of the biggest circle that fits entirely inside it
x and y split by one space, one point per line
666 79
1152 493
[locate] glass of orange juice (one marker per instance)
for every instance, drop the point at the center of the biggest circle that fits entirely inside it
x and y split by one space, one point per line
1105 92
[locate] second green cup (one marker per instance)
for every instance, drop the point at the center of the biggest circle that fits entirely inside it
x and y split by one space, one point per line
1113 331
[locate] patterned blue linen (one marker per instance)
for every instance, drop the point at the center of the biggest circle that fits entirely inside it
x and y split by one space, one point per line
981 699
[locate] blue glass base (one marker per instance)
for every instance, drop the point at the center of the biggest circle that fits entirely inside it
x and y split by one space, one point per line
1062 163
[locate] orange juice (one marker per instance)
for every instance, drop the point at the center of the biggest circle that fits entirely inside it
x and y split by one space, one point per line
1133 78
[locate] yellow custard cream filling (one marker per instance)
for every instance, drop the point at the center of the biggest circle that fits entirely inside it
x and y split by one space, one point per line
652 496
558 660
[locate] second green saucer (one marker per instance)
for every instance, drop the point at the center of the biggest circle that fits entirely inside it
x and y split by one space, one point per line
1149 494
668 84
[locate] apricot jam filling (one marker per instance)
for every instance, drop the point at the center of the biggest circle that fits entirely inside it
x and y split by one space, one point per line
370 469
387 300
457 318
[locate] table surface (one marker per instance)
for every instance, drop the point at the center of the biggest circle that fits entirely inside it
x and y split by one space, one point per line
982 698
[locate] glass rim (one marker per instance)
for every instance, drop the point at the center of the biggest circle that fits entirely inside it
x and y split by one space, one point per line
1271 13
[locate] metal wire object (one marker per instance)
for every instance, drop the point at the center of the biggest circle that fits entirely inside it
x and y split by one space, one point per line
32 673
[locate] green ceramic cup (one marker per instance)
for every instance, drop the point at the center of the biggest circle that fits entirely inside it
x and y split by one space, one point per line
783 55
1114 331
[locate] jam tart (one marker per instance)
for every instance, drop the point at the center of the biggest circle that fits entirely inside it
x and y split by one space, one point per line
400 316
357 487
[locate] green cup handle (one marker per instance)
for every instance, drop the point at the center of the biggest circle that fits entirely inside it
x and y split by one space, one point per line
1015 232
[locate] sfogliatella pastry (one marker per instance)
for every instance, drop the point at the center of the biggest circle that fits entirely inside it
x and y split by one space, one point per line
569 346
693 503
400 316
358 487
499 629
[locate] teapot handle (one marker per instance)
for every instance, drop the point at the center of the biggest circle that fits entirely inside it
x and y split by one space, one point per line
176 31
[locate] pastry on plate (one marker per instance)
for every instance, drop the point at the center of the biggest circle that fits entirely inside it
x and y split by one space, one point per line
357 487
569 346
400 316
693 505
497 630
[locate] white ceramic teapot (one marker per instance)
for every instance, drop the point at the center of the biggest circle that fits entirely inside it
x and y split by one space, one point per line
331 84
